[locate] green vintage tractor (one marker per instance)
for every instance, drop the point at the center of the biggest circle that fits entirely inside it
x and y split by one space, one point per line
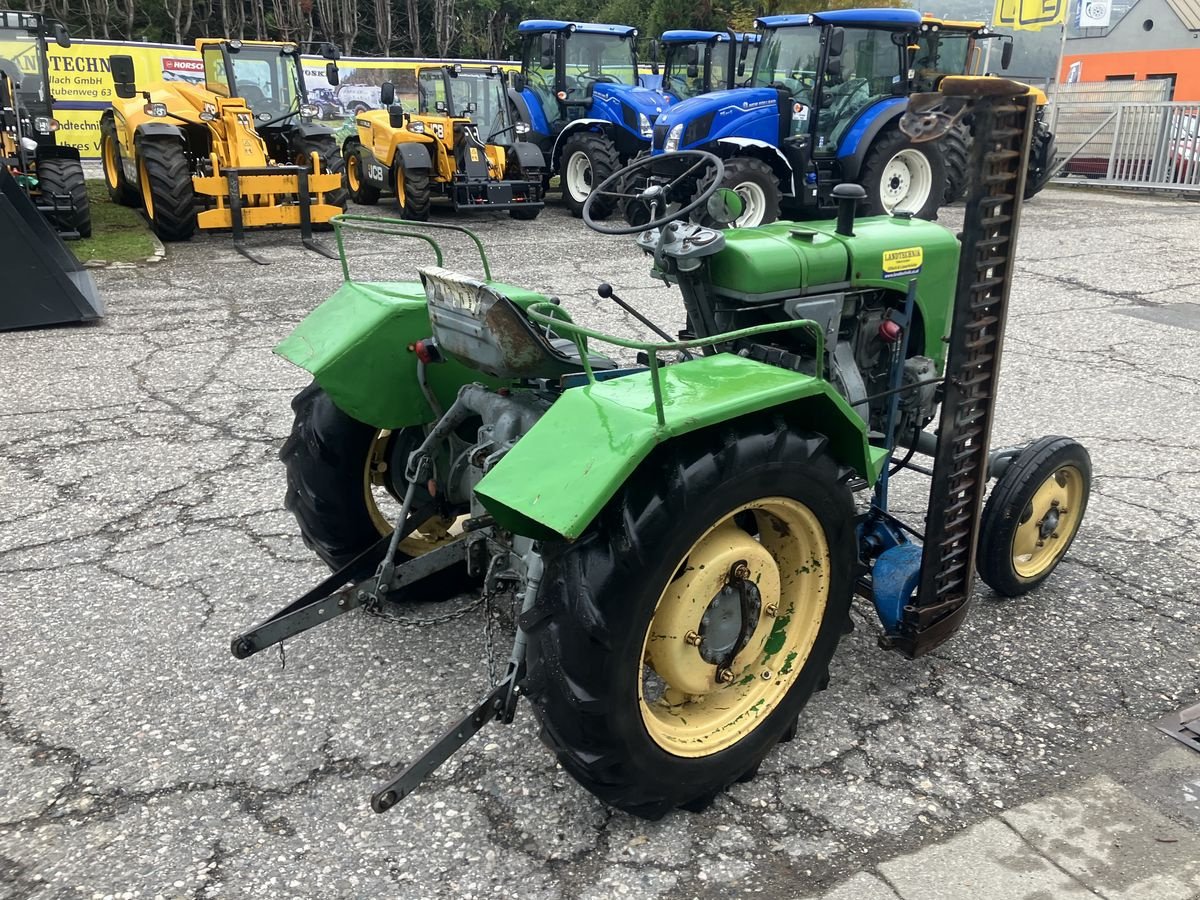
680 536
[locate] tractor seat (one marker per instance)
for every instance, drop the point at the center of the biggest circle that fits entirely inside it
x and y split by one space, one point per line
487 331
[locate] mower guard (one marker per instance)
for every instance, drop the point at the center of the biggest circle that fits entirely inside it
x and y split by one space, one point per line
46 285
563 471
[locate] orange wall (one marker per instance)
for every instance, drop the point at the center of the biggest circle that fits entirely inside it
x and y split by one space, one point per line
1184 63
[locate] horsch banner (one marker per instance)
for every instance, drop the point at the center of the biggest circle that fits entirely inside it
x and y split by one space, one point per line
81 83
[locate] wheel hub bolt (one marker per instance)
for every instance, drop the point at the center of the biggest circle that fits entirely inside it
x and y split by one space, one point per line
1041 543
766 675
772 610
692 638
741 571
724 676
1054 534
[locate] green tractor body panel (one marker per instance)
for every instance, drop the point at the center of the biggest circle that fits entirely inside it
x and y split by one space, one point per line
357 346
786 258
562 472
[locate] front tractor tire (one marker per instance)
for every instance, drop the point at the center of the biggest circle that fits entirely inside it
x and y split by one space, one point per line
677 641
903 177
586 162
165 181
336 468
755 183
330 158
356 176
64 177
414 193
1033 514
119 190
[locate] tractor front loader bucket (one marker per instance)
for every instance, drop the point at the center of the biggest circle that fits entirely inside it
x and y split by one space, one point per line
255 197
44 282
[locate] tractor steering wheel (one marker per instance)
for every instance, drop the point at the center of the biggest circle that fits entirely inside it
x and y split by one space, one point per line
705 169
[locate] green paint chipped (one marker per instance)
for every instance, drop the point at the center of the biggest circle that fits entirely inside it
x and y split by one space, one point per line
778 636
787 663
746 680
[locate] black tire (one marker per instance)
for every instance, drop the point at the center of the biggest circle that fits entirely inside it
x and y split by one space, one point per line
599 594
325 458
65 176
602 161
417 195
956 145
330 156
1041 160
746 173
119 190
523 214
355 168
1010 506
887 146
166 188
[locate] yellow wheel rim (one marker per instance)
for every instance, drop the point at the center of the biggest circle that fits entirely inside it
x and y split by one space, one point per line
353 179
147 196
689 707
110 161
432 533
1048 522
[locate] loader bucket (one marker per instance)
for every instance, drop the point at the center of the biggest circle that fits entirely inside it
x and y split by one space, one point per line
44 284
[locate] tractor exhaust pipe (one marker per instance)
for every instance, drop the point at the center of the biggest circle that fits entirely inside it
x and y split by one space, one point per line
847 197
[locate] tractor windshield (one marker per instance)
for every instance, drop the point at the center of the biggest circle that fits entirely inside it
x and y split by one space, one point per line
592 58
790 57
940 53
22 61
475 94
686 68
267 78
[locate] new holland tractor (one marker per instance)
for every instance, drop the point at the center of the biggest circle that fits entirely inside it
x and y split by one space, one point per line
239 151
51 175
679 537
945 47
700 62
461 143
578 97
823 109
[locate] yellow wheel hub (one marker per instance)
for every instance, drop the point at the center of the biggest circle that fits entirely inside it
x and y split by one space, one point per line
110 161
1048 523
147 196
353 178
431 534
692 706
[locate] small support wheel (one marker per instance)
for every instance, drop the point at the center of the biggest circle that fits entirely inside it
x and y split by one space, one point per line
1033 515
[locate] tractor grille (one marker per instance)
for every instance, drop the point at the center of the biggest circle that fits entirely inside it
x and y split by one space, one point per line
1002 133
660 136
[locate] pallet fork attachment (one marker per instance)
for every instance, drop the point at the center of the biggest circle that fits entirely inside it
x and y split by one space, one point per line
45 284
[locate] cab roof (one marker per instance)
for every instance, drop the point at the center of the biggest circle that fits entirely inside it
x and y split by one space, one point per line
537 26
865 18
686 36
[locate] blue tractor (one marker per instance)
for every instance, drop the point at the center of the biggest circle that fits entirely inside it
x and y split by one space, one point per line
822 109
579 97
700 62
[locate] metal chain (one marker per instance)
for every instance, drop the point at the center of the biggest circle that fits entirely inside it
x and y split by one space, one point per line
427 621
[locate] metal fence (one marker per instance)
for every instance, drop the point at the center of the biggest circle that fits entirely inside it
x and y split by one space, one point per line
1126 133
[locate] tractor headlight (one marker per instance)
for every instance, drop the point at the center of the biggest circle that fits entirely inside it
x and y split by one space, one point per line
644 126
416 127
45 125
674 136
155 110
309 111
29 144
521 128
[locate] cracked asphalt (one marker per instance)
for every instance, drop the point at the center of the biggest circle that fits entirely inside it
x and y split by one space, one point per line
142 526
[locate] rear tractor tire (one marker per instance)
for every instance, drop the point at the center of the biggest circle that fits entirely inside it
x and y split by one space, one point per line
900 176
64 176
1033 515
587 161
677 641
336 474
165 180
356 168
956 145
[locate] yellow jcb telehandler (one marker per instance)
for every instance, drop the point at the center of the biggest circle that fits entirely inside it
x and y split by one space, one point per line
461 143
239 151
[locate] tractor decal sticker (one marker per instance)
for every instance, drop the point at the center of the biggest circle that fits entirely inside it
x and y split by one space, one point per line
439 130
363 123
474 155
898 263
375 172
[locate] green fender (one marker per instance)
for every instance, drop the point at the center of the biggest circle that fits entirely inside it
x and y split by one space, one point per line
357 345
558 477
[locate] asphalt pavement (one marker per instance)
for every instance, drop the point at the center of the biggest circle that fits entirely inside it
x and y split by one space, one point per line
142 525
